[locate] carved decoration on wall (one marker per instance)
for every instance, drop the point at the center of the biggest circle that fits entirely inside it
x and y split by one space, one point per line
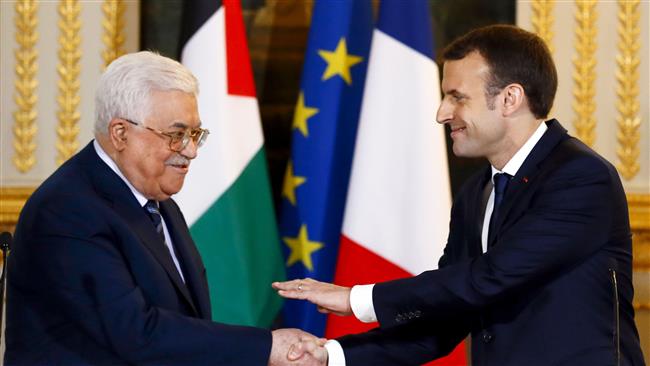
68 70
542 20
584 74
627 76
641 306
113 25
639 208
12 200
25 96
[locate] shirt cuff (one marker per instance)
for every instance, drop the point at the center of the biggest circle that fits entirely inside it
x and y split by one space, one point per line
335 356
361 303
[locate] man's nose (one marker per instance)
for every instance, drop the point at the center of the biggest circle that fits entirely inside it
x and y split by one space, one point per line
190 150
445 112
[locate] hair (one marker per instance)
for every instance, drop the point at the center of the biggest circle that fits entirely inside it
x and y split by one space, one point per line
126 85
513 55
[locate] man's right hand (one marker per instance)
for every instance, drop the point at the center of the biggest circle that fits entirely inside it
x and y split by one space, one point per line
295 347
310 349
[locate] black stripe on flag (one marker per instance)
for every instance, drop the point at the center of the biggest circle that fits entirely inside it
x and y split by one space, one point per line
195 14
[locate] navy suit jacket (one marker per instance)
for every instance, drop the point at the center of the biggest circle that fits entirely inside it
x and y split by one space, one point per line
555 287
90 281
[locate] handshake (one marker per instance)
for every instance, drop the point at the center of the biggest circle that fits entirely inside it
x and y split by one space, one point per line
294 346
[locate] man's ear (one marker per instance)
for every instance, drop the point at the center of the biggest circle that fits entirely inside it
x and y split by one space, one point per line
513 99
117 131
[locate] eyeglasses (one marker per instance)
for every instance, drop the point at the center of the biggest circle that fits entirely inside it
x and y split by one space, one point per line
180 139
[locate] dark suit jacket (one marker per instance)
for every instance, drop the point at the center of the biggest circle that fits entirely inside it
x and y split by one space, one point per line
555 288
90 282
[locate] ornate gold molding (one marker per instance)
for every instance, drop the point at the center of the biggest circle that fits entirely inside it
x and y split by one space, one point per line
12 200
113 25
641 250
542 20
639 208
627 90
68 69
584 75
25 97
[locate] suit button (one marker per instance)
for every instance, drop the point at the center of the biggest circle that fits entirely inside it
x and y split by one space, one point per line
487 337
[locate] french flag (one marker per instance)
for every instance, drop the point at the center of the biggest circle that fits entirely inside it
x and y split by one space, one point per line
397 211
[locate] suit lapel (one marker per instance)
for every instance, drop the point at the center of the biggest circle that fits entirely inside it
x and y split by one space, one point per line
113 189
140 224
188 256
477 213
528 172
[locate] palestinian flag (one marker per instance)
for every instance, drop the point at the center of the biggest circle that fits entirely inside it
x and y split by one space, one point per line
226 198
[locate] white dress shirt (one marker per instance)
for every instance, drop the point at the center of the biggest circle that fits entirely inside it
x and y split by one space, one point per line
361 295
511 168
141 199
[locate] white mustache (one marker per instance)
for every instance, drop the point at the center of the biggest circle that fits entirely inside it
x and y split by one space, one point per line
178 160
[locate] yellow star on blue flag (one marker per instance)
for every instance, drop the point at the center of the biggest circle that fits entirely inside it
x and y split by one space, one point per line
302 114
339 62
302 248
291 182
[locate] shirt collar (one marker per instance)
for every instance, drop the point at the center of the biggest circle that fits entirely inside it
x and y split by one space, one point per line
513 165
111 164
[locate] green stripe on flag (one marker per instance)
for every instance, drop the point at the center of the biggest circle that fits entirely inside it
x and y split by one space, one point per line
238 241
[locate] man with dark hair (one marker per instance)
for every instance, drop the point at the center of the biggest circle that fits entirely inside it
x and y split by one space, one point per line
538 262
529 64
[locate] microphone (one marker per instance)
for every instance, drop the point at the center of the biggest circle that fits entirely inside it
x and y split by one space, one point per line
5 245
5 241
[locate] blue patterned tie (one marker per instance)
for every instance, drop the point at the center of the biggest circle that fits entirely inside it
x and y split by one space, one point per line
154 214
500 185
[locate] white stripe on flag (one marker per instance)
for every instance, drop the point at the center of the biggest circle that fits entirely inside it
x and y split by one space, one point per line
399 196
234 122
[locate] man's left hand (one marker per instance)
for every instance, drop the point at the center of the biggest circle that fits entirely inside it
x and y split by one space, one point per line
328 297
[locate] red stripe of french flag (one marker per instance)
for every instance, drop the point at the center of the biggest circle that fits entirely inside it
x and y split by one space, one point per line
368 267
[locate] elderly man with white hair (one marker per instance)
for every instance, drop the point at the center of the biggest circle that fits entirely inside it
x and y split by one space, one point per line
103 269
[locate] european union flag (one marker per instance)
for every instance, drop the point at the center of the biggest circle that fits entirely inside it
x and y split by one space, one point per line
323 137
